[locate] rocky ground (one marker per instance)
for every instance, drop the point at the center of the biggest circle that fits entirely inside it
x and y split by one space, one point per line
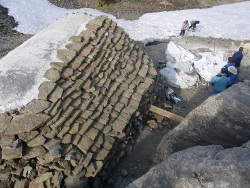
141 158
9 38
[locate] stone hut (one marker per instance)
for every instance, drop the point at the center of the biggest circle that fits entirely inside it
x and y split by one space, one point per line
80 124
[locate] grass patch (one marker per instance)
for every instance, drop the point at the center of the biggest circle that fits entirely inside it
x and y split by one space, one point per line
208 3
136 1
104 7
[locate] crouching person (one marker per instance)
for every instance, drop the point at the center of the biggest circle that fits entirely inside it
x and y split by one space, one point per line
193 25
220 82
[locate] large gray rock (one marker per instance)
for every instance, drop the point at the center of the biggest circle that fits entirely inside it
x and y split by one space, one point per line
222 119
200 166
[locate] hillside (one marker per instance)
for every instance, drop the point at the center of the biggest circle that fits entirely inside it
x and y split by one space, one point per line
132 9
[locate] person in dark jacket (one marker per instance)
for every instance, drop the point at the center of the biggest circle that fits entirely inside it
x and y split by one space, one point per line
193 24
237 57
220 82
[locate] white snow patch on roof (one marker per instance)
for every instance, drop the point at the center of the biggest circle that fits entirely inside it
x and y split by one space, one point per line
22 70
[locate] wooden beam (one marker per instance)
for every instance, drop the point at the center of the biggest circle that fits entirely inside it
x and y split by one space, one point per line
165 113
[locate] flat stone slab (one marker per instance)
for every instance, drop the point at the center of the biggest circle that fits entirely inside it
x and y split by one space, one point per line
26 123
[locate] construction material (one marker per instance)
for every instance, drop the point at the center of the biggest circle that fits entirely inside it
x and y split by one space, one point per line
165 113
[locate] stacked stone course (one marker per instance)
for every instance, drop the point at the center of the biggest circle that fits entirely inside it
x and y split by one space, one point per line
79 124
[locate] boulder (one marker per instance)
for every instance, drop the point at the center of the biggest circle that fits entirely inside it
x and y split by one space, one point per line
200 166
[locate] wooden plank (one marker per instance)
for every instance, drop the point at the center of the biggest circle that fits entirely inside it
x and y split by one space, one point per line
165 113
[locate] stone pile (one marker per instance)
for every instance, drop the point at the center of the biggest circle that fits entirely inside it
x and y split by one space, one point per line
80 124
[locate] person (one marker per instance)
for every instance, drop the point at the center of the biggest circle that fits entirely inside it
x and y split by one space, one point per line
184 27
220 82
237 57
229 63
193 24
232 75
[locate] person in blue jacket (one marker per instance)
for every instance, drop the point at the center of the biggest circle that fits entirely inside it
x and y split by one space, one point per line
220 82
237 57
232 75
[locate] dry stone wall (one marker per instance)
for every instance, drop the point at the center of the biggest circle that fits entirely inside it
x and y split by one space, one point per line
79 125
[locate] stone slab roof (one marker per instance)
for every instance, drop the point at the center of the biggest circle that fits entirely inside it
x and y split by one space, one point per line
80 121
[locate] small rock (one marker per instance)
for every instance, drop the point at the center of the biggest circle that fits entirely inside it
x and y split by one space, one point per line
57 179
37 141
165 123
4 121
74 182
66 139
43 177
167 105
21 183
159 118
77 170
12 151
34 152
26 171
152 124
160 126
52 74
45 89
124 172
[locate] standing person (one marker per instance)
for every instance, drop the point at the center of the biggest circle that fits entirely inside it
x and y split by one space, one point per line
229 63
232 75
184 27
193 24
220 82
237 57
